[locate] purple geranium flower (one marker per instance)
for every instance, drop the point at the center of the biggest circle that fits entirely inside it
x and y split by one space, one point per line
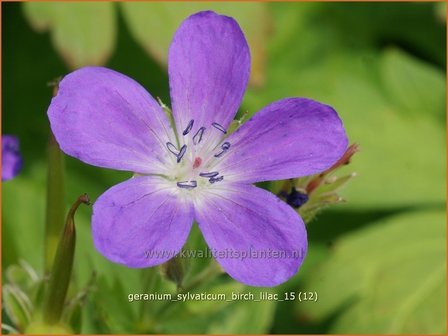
194 170
11 159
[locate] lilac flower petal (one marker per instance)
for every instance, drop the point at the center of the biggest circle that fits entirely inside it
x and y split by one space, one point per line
141 222
258 239
208 66
289 138
11 159
107 119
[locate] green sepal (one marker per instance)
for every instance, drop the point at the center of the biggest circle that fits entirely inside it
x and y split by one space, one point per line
17 306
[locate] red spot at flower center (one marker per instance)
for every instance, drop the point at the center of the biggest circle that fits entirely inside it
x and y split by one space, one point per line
197 162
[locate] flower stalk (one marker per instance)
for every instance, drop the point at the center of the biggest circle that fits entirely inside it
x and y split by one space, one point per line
62 267
55 211
55 205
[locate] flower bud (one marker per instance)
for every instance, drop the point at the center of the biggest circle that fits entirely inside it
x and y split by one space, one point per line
173 270
310 194
62 267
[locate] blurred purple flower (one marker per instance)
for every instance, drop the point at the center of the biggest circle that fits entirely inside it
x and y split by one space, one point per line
195 170
11 159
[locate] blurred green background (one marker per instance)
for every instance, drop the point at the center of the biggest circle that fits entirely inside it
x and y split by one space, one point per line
377 262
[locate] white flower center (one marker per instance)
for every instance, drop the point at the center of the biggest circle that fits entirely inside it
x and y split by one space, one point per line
192 162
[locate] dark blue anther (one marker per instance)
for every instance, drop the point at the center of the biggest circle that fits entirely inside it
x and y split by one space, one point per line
198 136
181 153
211 174
171 148
219 127
296 198
189 127
216 179
224 147
187 184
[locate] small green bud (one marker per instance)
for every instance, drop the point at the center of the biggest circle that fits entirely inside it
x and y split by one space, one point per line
334 183
310 194
165 108
173 270
235 124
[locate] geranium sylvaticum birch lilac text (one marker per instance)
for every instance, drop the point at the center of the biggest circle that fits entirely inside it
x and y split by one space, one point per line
193 169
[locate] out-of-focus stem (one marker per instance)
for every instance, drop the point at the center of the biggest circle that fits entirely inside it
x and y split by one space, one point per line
55 211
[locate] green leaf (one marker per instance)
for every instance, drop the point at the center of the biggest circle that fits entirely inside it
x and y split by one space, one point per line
413 85
25 228
108 308
401 162
39 15
153 26
441 11
83 33
412 25
380 279
402 157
